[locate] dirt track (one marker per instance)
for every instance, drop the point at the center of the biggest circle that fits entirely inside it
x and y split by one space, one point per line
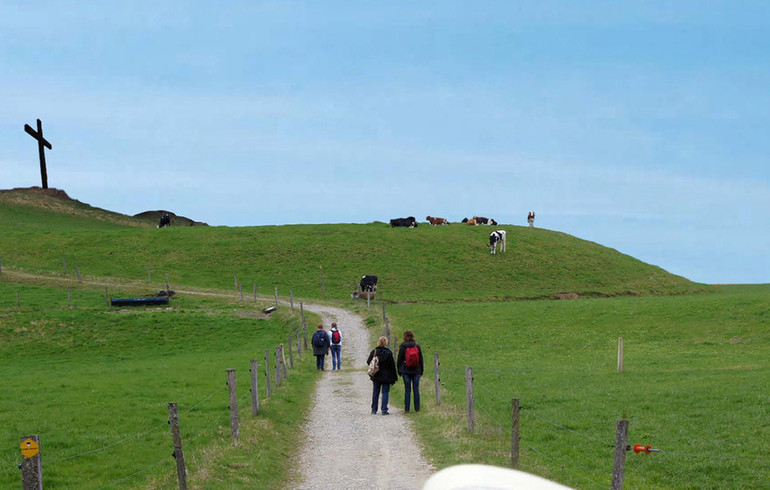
347 447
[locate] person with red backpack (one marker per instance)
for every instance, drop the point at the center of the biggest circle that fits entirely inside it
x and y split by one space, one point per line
410 367
336 340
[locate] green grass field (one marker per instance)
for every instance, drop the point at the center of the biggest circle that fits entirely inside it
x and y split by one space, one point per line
95 384
95 381
695 383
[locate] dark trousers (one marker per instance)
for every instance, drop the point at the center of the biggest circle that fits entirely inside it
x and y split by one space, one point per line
319 362
411 384
385 387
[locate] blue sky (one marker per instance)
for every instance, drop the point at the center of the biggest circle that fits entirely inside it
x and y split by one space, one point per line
642 126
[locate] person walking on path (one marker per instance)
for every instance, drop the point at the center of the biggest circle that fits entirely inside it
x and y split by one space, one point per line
410 367
321 344
336 346
384 377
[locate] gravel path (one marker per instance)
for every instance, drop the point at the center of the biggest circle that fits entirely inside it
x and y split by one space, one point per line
347 447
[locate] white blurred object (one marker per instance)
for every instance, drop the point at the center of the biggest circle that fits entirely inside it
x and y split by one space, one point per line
483 477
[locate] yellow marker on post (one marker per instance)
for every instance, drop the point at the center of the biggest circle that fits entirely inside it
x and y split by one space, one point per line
29 448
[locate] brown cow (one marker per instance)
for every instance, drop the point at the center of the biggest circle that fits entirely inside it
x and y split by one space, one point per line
437 221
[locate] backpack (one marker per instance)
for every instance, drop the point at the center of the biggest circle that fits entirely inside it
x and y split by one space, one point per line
412 356
374 364
335 336
318 338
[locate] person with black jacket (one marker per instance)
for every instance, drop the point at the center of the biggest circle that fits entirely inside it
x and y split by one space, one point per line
384 377
410 367
321 343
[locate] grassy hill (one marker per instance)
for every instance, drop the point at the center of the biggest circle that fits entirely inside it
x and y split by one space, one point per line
444 263
694 383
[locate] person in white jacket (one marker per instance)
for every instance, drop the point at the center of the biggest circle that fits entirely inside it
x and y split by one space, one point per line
335 339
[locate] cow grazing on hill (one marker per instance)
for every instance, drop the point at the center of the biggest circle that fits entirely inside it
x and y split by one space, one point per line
531 219
165 221
409 222
497 238
368 283
436 221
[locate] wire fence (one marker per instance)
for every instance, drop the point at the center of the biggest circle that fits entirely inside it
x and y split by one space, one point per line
492 418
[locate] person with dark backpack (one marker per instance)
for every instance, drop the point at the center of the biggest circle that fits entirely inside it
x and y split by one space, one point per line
410 367
320 343
336 338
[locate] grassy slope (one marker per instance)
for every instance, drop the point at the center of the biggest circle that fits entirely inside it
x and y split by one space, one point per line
554 346
695 383
94 383
449 263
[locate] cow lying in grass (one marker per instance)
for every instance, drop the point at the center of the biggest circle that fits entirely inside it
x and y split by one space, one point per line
480 220
409 222
436 221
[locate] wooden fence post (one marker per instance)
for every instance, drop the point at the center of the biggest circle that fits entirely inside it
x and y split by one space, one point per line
255 292
384 316
469 397
291 352
515 432
621 446
254 388
235 429
299 344
267 372
620 354
304 323
69 297
77 271
437 378
276 296
176 437
31 463
291 299
284 368
278 370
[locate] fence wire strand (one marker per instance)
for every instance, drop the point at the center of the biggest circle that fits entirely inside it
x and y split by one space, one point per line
113 483
559 464
130 437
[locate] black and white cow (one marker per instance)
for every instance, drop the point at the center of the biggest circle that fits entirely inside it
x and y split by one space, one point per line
368 283
484 221
409 222
531 219
495 238
165 221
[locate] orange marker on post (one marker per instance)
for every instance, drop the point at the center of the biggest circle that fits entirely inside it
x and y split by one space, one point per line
638 448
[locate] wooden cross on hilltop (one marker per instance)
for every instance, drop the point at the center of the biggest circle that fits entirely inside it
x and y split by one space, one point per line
41 143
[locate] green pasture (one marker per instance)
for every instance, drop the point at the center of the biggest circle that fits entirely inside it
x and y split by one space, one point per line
695 383
95 382
427 263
